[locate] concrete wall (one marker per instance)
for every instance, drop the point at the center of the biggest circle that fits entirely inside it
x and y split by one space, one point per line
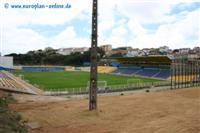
6 62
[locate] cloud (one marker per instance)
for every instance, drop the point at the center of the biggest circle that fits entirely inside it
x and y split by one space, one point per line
44 16
105 26
68 33
121 23
183 33
68 38
16 39
148 12
113 33
119 31
22 40
175 31
136 28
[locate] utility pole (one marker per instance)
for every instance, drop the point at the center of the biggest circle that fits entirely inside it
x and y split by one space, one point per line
93 67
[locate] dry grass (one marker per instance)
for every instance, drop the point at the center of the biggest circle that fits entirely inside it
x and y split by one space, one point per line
176 111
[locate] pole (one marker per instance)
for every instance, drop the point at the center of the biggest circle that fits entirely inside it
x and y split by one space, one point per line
185 74
171 73
179 75
93 67
175 74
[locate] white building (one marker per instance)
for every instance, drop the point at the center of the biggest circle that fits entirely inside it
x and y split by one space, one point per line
6 61
133 53
184 50
106 48
164 49
68 51
193 56
145 51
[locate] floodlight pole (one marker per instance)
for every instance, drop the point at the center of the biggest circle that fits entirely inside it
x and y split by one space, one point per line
93 67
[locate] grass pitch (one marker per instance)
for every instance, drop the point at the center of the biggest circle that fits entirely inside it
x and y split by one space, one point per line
65 79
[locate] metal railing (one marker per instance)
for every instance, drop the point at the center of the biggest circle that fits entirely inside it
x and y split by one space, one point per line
107 89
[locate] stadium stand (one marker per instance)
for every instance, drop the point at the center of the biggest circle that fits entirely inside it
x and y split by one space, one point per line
183 78
127 70
69 68
29 69
85 69
163 74
156 67
10 82
115 64
6 69
146 72
106 69
1 68
17 67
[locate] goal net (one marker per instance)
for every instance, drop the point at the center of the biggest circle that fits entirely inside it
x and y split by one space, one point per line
21 76
133 81
101 85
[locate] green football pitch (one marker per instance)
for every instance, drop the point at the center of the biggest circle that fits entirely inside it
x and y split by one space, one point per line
65 79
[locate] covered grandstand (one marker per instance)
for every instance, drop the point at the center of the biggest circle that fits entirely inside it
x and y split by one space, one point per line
156 67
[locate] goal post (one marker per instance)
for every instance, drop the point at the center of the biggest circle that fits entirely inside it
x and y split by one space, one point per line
133 81
21 76
101 85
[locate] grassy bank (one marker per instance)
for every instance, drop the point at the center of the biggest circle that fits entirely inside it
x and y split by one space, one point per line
10 121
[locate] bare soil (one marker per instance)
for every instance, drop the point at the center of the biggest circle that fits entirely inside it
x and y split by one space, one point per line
2 93
171 111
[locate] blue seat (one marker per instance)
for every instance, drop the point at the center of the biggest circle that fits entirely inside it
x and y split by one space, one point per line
29 69
147 72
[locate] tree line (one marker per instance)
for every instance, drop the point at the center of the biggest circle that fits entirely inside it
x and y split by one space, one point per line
49 56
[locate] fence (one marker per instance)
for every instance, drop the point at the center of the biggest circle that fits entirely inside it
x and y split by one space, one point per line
108 89
185 73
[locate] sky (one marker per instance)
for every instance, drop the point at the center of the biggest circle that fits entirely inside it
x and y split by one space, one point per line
135 23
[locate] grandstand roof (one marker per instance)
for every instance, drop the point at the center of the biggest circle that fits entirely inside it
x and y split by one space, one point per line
152 60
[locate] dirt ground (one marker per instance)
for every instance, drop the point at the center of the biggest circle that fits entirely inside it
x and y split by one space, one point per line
172 111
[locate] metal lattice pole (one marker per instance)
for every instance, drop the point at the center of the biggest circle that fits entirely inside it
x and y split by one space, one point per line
189 68
198 72
185 74
175 73
179 73
188 74
93 68
195 73
192 74
171 73
182 73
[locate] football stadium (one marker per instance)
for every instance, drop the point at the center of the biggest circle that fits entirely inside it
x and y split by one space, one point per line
55 98
100 89
127 75
123 74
